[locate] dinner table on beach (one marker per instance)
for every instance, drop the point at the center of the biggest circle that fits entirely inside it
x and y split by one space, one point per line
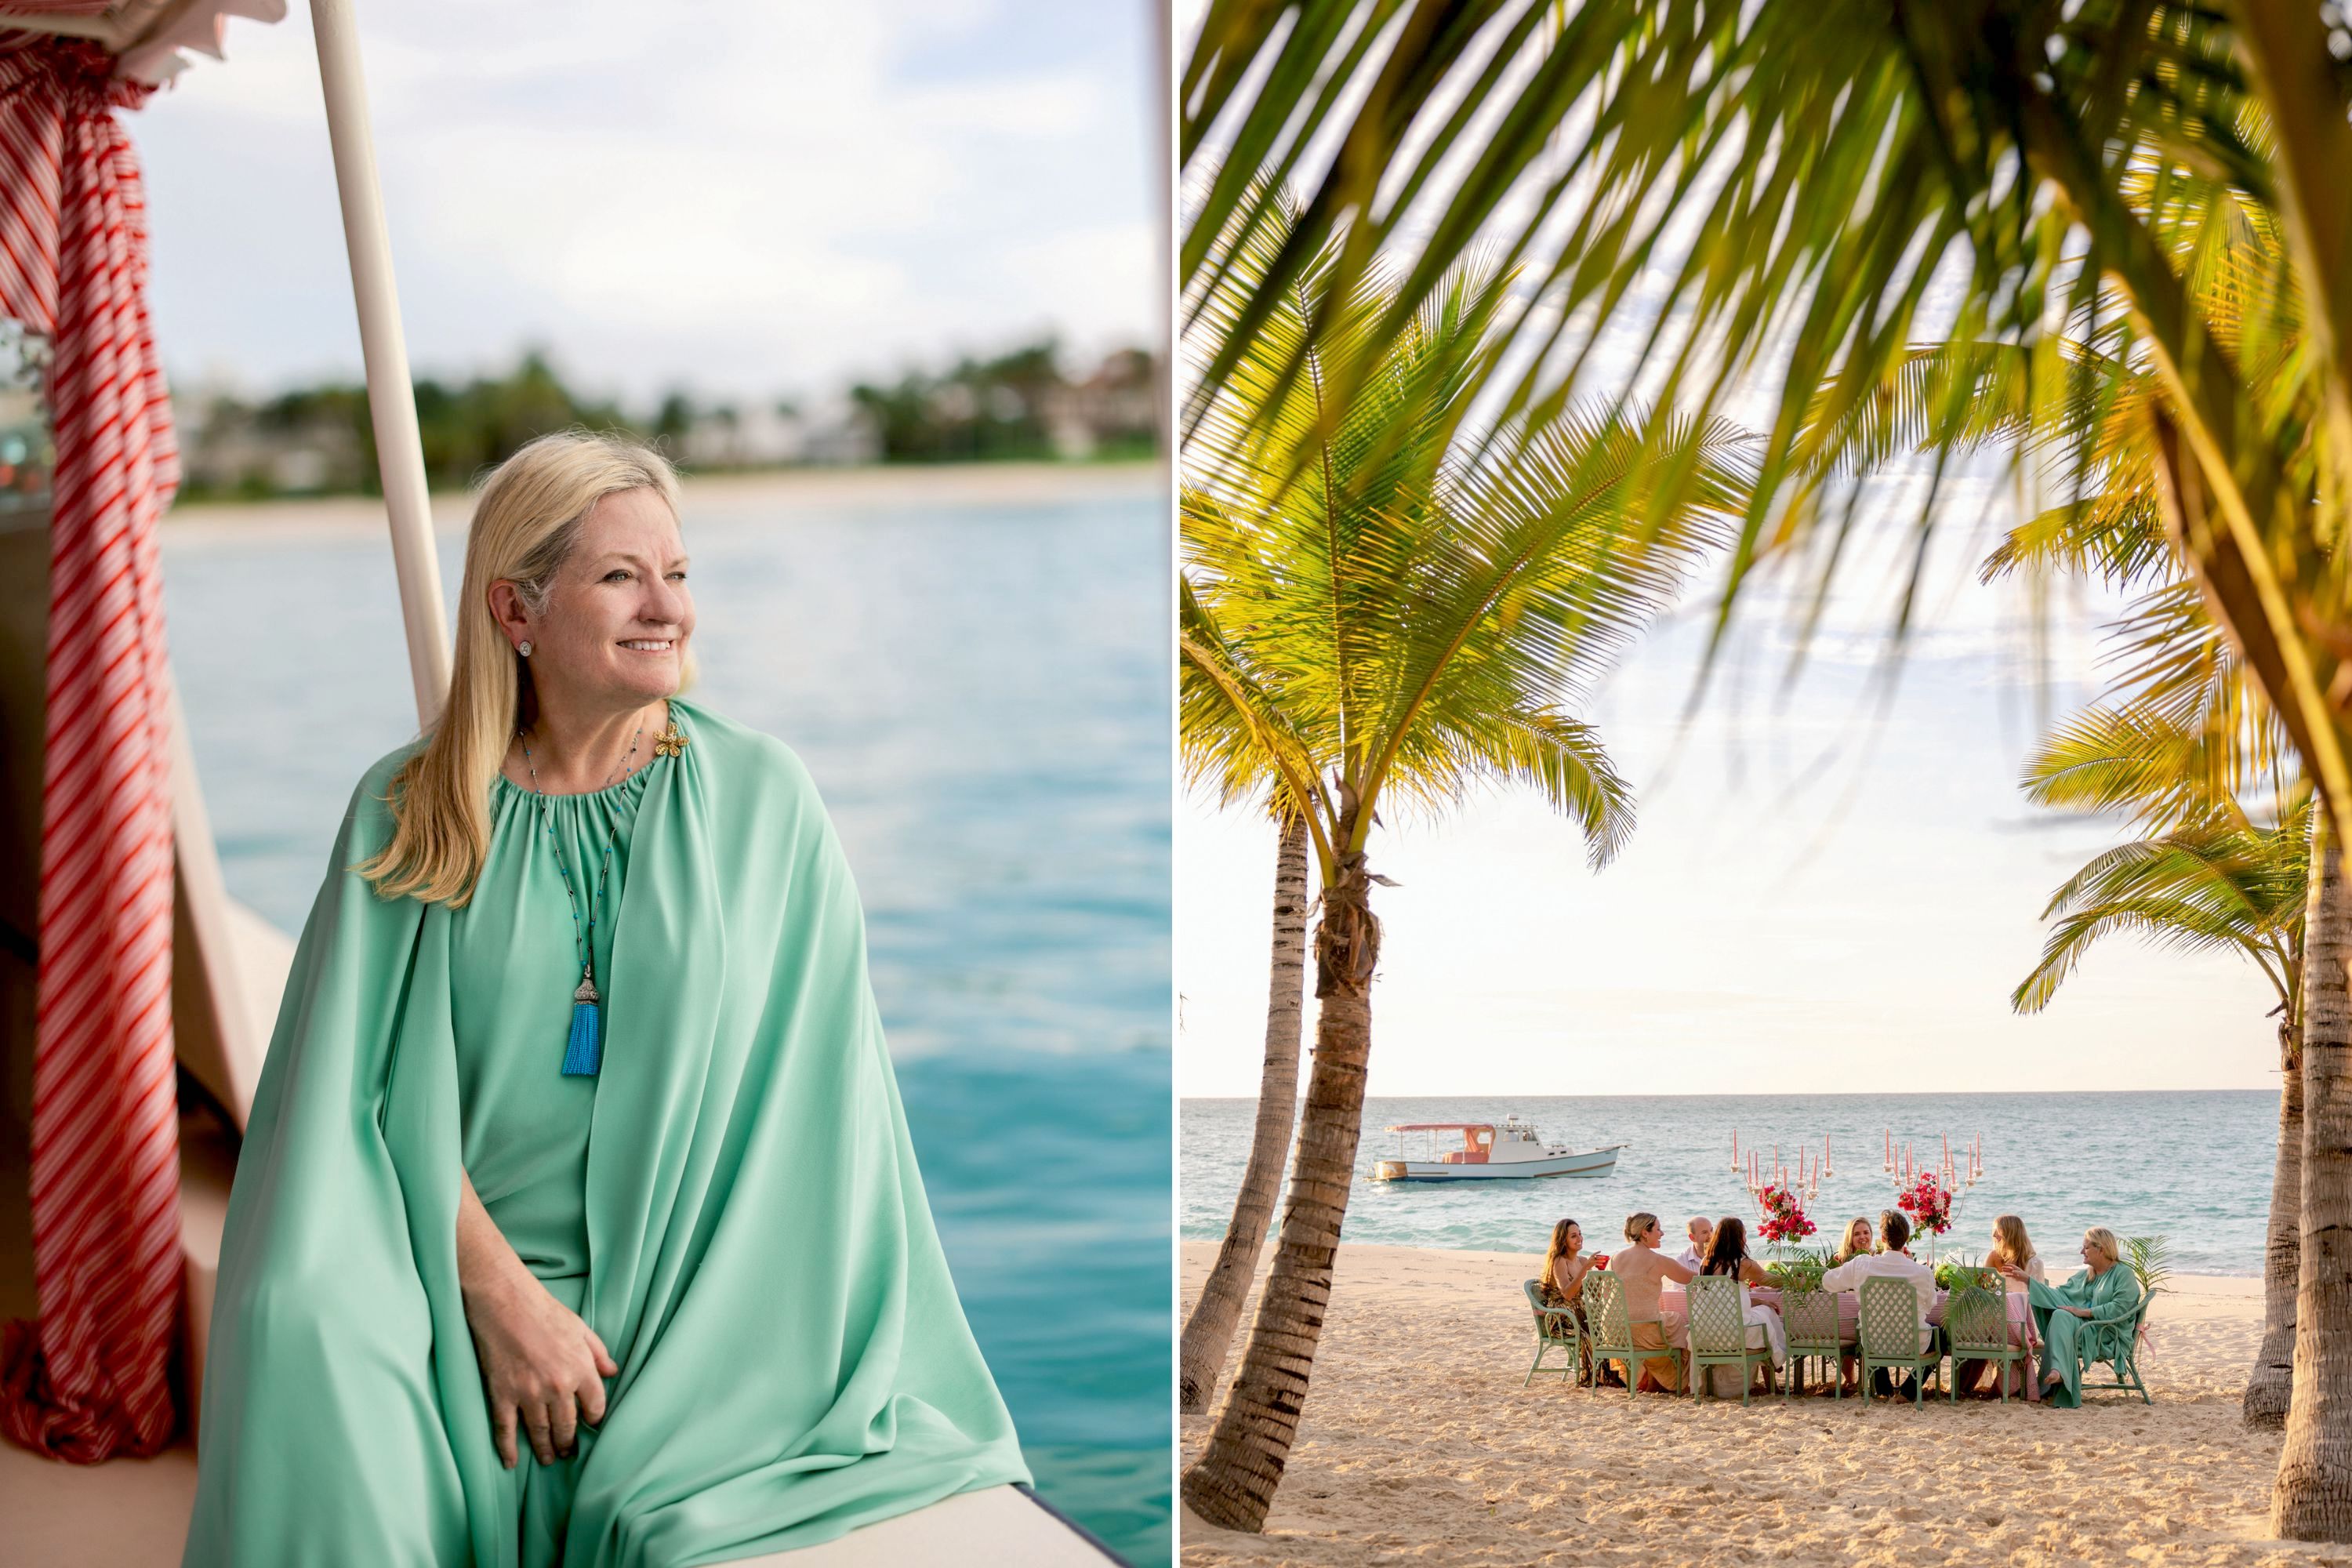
1673 1312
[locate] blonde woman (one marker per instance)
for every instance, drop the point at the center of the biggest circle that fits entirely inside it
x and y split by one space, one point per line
2078 1319
577 1201
1858 1242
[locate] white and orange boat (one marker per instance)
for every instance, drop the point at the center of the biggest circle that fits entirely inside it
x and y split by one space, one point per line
1508 1150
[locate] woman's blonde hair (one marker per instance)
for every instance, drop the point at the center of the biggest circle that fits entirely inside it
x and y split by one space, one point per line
2103 1238
2011 1244
1637 1226
1846 1251
526 522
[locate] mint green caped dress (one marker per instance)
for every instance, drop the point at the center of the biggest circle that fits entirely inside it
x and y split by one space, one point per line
731 1201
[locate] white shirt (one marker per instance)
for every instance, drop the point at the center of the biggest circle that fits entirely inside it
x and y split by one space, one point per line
1689 1258
1889 1266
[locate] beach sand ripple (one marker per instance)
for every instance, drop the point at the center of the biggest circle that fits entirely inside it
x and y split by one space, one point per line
1419 1446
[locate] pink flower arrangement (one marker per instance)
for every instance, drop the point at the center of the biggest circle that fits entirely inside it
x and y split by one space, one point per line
1784 1219
1929 1203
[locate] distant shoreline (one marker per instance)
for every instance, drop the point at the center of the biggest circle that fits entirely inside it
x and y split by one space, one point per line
779 491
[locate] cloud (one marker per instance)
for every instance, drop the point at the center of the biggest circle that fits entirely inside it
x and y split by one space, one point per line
746 199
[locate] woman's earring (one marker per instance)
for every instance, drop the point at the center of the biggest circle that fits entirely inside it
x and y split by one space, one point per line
523 648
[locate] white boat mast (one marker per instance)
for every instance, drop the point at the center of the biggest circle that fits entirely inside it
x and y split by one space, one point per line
391 400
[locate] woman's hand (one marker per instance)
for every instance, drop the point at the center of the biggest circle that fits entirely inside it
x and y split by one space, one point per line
543 1366
2081 1311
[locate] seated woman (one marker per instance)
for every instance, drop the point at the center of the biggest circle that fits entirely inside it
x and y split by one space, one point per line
451 1326
1562 1283
2062 1314
1727 1255
1645 1270
2012 1247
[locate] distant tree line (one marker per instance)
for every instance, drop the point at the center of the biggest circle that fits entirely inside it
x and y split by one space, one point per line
1015 405
320 440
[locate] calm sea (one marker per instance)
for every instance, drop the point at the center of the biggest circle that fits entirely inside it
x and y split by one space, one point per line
980 693
2192 1166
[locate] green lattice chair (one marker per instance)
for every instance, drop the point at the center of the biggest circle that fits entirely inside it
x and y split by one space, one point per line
1555 1328
1608 1321
1810 1318
1719 1334
2124 1366
1975 1328
1890 1334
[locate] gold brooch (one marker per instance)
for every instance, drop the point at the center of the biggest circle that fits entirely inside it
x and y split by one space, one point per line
670 742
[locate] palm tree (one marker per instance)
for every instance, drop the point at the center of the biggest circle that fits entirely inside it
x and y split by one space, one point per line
1381 611
1766 193
2209 885
1209 1332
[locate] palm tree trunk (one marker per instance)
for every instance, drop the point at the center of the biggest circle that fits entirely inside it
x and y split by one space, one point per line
2313 1499
1209 1332
1232 1485
2272 1380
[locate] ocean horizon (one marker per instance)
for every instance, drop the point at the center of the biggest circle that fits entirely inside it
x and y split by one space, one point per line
2192 1166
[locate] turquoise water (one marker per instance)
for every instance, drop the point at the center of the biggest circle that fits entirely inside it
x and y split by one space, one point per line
981 694
2194 1166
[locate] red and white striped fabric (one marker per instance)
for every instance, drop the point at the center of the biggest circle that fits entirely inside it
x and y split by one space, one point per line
92 1378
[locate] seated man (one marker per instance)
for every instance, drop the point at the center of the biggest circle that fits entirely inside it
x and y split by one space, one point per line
1701 1231
1644 1269
1895 1229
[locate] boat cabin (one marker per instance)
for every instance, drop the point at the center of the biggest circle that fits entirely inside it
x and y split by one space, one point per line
1484 1142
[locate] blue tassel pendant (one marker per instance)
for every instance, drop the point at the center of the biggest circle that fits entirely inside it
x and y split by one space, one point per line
583 1052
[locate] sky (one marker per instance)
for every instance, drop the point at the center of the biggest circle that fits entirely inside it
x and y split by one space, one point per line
750 200
1821 895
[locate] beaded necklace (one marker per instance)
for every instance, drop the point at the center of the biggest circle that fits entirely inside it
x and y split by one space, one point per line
583 1047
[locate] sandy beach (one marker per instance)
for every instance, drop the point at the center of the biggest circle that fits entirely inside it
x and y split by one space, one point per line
777 493
1420 1445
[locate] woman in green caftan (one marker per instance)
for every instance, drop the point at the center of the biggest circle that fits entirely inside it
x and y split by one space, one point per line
2074 1319
576 1221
